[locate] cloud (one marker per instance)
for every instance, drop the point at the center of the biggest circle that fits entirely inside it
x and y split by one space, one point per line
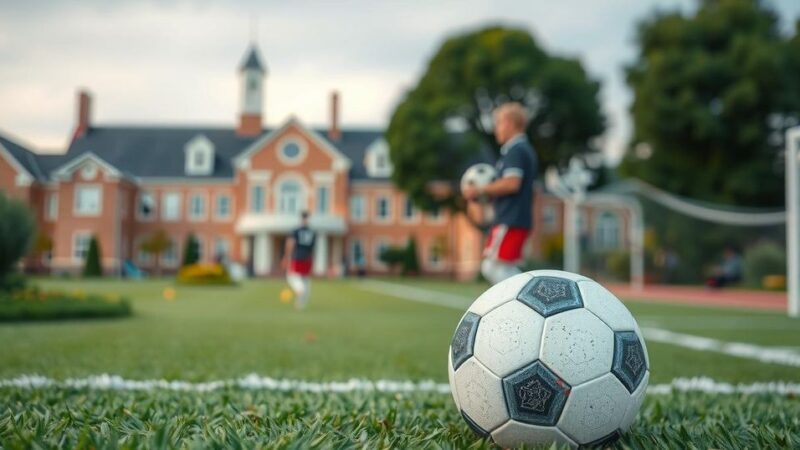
174 61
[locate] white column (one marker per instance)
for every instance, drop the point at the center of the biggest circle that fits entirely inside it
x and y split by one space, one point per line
336 253
262 254
321 254
792 218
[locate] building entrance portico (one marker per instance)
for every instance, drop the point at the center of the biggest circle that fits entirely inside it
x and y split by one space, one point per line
267 236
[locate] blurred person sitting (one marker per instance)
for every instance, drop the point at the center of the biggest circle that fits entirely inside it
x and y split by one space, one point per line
729 272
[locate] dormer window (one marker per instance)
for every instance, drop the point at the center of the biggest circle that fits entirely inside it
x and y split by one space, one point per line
377 160
199 156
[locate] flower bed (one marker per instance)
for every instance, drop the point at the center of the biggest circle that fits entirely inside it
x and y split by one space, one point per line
34 304
204 274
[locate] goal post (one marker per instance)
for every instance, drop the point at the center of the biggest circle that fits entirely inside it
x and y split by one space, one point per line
792 225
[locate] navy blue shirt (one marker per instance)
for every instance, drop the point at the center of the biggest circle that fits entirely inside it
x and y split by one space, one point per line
517 159
304 240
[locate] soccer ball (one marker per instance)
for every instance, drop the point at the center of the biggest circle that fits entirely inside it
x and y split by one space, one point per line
548 356
478 175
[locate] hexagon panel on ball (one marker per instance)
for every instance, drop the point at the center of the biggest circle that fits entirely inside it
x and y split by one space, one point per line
595 409
606 306
513 433
508 338
577 346
499 294
480 395
535 395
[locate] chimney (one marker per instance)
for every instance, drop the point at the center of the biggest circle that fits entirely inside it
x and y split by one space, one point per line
249 125
334 133
84 114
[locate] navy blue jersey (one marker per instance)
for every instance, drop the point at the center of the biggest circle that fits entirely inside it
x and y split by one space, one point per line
519 160
304 240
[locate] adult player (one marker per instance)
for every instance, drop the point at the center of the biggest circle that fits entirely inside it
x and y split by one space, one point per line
298 259
511 194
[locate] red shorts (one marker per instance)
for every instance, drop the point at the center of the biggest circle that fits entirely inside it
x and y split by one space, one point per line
300 267
505 243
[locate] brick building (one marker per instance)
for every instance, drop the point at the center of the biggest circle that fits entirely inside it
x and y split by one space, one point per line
239 190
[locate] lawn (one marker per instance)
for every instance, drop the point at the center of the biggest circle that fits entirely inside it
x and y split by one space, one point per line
213 333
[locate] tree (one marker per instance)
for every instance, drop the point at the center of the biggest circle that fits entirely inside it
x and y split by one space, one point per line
410 259
92 267
156 244
446 119
191 251
17 228
714 93
393 257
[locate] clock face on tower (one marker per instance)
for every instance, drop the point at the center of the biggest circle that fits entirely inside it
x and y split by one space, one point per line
251 101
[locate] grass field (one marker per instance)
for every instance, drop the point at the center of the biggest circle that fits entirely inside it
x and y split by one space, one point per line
210 333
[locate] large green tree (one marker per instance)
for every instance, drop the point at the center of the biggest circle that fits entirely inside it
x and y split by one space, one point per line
17 228
714 92
447 118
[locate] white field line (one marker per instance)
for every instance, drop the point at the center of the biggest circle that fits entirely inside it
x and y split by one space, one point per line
107 382
774 355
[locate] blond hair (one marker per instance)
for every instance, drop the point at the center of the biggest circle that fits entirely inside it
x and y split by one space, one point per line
515 112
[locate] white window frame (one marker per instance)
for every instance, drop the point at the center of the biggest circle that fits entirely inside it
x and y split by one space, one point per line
549 218
164 209
352 254
227 246
80 188
51 207
329 205
301 156
203 216
377 243
251 198
302 203
153 214
600 235
362 217
170 262
75 236
389 210
229 215
414 218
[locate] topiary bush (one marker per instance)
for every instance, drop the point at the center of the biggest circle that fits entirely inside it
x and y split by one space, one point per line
92 267
763 259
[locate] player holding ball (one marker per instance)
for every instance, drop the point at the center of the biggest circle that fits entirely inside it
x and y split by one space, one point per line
511 194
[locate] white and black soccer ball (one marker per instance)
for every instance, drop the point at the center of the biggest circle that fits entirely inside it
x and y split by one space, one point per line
548 356
478 175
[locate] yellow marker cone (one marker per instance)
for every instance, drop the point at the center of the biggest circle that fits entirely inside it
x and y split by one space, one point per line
169 294
286 295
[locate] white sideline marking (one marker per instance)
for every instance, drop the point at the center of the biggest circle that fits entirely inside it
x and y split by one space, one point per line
774 355
107 382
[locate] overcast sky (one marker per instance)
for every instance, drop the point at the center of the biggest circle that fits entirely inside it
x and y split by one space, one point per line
174 62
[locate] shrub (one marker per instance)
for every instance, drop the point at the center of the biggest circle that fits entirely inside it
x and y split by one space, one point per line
393 256
92 266
204 274
17 227
191 251
156 244
410 260
34 304
763 259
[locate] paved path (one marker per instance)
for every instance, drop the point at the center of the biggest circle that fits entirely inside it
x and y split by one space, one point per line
740 298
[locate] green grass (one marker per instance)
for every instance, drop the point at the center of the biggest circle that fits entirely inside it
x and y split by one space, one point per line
210 333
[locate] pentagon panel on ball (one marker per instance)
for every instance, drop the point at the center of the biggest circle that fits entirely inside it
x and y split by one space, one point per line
549 295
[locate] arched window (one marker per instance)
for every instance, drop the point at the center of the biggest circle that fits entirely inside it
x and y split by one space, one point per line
606 231
290 197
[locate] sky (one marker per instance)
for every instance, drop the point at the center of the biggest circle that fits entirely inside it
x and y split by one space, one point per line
173 62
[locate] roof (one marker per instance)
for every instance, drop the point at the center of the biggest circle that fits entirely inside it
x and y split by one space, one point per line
26 157
353 144
252 61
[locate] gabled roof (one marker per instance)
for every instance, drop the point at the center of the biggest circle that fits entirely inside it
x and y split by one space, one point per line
252 61
23 156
